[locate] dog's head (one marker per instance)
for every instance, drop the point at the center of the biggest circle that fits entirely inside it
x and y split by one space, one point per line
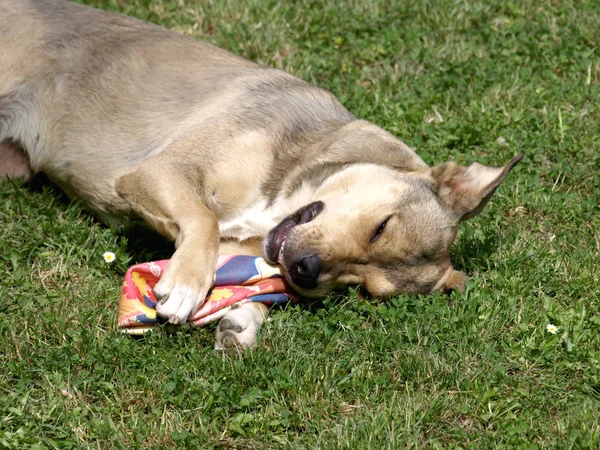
387 231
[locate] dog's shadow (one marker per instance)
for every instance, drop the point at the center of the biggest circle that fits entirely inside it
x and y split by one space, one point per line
473 250
142 243
145 244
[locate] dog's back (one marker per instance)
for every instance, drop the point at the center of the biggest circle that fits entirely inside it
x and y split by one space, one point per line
86 67
91 94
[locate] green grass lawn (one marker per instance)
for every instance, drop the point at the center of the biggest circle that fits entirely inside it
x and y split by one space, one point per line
460 80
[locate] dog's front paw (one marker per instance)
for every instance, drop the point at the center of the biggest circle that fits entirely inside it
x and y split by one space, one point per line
239 327
178 304
179 294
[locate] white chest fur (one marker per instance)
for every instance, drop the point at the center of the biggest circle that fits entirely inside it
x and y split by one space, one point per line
259 218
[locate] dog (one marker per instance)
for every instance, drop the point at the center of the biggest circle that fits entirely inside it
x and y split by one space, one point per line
222 155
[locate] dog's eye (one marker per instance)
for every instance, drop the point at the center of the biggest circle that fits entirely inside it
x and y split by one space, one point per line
426 256
379 230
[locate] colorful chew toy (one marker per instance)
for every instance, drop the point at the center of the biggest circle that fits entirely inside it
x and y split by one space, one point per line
239 279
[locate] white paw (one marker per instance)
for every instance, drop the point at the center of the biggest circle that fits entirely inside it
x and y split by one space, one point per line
177 304
239 327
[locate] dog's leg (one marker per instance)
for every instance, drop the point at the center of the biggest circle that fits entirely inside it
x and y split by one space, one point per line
14 162
164 196
252 247
239 327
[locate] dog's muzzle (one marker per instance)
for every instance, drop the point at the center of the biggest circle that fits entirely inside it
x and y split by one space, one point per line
302 267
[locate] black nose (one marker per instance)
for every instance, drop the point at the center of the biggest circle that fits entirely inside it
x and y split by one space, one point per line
305 271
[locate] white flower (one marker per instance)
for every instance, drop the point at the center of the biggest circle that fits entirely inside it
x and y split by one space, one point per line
551 328
109 257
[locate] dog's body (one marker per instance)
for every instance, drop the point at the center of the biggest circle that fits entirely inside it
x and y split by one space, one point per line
223 155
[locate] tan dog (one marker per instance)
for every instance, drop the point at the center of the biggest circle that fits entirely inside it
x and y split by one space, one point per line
223 155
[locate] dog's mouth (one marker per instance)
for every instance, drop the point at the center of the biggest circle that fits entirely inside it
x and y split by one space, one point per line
274 244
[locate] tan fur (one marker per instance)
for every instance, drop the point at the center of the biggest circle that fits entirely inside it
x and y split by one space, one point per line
14 162
137 121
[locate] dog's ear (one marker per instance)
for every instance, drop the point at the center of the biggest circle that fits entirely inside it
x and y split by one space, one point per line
466 190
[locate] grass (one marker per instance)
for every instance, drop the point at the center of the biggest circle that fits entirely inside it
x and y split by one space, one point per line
461 80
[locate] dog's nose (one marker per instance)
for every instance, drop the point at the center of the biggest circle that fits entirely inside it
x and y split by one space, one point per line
305 271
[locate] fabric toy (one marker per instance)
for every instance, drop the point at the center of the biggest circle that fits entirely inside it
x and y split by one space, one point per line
239 279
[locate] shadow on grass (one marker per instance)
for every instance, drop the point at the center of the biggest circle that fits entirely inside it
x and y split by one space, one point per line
143 243
473 252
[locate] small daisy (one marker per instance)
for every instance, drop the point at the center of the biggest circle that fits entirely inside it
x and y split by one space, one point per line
109 257
551 328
